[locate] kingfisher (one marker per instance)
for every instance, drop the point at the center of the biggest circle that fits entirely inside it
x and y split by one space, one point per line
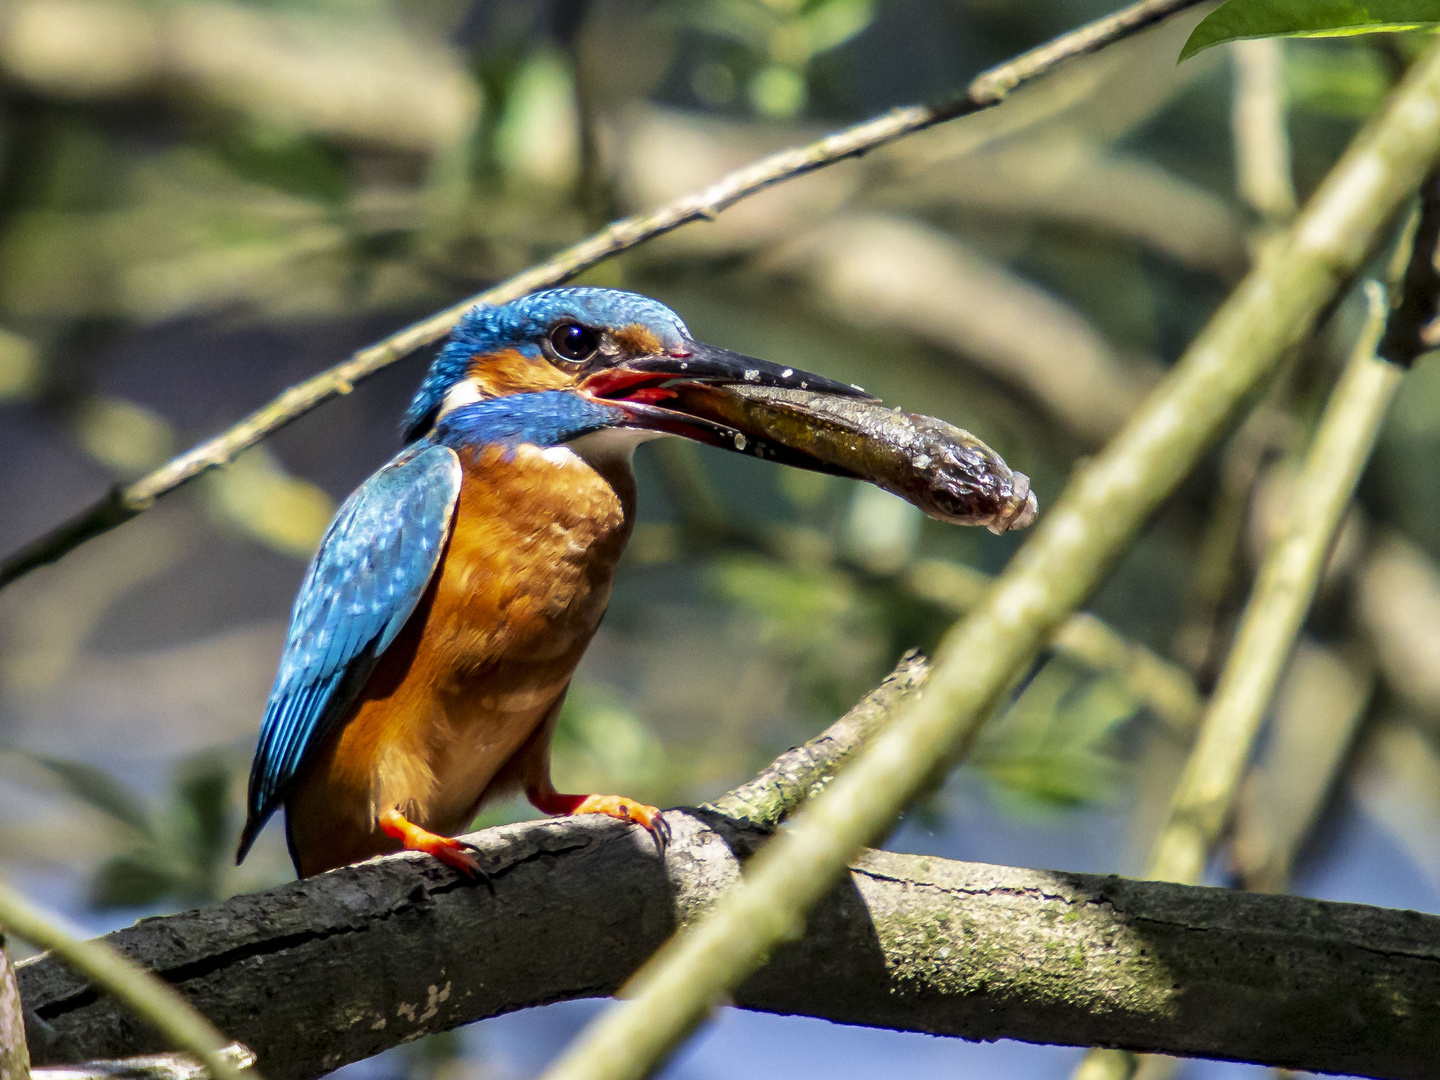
441 620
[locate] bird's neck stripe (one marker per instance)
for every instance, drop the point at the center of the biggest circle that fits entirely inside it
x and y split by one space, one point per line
545 418
464 392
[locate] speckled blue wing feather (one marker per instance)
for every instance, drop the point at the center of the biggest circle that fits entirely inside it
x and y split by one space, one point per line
373 565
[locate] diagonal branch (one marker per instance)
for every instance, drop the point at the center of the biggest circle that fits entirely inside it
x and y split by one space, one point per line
986 91
1284 589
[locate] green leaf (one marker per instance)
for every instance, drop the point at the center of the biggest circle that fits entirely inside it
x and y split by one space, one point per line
1235 20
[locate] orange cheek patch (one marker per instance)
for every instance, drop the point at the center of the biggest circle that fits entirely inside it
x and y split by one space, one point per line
510 371
638 340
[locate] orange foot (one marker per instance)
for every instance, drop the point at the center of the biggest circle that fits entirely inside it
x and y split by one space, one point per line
616 806
451 852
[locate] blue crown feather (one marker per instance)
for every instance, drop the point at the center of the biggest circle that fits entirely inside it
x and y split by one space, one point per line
520 325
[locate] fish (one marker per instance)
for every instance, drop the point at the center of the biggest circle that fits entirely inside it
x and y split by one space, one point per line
941 469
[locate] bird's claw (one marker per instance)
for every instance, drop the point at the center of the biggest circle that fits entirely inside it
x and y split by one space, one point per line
660 830
457 854
618 806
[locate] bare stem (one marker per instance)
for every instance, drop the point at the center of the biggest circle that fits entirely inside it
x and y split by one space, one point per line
147 996
1262 142
986 91
1067 556
1284 591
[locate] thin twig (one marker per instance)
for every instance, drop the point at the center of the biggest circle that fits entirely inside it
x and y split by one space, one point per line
986 91
1262 141
147 996
1283 593
1264 182
1066 557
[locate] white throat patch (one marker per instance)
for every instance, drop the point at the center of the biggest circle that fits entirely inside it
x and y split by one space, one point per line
464 392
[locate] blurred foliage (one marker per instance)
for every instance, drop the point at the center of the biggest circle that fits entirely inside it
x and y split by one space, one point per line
770 48
815 621
1335 80
600 745
177 851
1057 744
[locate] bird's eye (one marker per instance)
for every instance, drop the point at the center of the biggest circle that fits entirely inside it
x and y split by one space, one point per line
574 342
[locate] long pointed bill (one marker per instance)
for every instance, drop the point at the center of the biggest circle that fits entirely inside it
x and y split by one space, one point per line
700 363
798 418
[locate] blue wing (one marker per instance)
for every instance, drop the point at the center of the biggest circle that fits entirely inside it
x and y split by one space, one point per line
373 566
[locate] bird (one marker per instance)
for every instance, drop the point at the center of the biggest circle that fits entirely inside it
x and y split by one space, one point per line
439 624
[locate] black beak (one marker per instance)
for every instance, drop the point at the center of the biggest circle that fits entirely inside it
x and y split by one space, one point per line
708 364
659 392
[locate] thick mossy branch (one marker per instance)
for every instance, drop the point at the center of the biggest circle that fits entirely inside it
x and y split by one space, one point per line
329 970
14 1053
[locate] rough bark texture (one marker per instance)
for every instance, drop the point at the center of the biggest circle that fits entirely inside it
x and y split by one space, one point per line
325 971
14 1054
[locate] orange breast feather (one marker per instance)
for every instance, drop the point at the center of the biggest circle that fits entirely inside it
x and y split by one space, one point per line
459 706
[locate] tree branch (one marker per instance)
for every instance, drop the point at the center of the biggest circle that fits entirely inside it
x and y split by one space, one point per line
14 1053
321 972
986 91
1283 593
333 969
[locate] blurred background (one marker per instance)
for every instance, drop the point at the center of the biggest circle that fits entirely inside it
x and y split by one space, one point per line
202 203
